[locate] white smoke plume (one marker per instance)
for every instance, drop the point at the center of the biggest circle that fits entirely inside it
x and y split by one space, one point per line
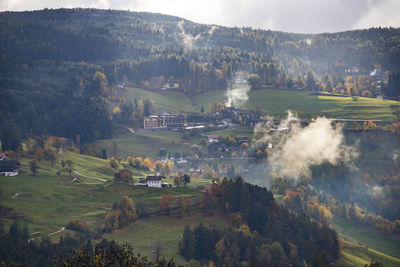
315 144
237 95
395 155
187 39
212 30
376 190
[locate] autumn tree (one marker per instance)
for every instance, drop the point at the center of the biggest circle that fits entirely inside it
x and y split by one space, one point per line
113 163
366 93
50 155
138 162
207 202
123 176
166 204
216 107
182 207
369 126
39 153
177 180
147 163
122 213
99 83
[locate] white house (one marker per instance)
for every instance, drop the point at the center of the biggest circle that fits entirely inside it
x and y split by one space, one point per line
155 181
9 167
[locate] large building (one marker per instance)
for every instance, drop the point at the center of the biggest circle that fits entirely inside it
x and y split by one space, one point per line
164 120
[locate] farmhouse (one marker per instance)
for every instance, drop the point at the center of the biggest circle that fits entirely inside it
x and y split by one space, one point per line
155 181
9 167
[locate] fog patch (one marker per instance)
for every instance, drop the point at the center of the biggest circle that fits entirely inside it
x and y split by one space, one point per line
300 148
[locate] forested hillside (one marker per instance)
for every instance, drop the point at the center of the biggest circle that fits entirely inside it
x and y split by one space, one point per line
60 68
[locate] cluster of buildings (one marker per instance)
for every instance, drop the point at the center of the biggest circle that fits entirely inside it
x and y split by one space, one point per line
164 120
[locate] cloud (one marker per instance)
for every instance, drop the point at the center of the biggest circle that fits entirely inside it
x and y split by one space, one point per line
382 13
306 16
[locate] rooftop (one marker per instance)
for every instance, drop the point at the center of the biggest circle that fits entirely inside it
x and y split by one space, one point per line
155 178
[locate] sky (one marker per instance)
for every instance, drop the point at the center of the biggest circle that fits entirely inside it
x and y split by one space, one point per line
300 16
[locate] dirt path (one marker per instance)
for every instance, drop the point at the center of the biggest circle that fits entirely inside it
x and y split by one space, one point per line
129 129
89 177
53 233
56 232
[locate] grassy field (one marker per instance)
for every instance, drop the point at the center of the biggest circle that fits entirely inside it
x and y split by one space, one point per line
356 255
361 244
89 166
163 101
50 201
146 144
276 102
367 236
142 234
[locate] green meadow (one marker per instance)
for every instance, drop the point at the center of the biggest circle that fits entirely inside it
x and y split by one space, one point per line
361 244
369 237
275 102
49 201
146 144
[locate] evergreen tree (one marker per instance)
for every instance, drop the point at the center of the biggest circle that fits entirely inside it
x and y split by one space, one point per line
310 81
186 244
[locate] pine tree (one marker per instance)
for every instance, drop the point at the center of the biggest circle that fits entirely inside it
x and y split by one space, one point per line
187 243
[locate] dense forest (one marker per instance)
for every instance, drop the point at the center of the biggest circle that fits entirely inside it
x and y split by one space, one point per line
262 233
60 68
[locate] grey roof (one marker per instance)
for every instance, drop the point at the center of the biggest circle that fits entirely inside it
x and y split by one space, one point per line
8 165
154 178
